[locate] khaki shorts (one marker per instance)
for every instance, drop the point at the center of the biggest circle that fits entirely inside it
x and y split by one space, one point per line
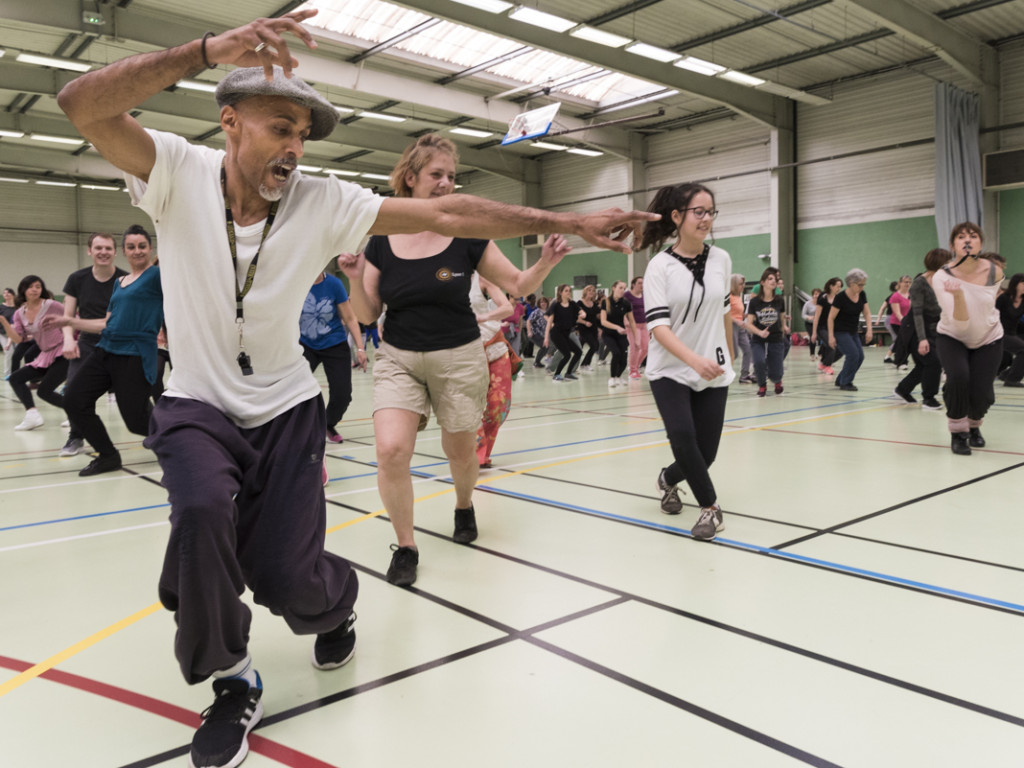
451 381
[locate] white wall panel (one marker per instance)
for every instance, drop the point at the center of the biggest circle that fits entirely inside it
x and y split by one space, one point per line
585 185
711 154
1011 102
498 188
872 187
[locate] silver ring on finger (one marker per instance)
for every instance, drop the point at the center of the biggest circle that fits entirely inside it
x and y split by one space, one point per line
259 48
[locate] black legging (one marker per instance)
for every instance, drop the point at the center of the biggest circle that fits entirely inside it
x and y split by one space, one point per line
49 379
588 336
23 352
618 344
571 351
970 377
693 421
102 372
337 362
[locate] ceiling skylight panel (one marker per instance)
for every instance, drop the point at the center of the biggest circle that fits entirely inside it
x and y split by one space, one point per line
538 67
615 87
369 20
458 44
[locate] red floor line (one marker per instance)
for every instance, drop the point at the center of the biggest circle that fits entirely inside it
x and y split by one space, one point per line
258 744
889 442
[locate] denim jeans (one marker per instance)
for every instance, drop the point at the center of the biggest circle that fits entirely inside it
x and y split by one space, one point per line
850 346
767 360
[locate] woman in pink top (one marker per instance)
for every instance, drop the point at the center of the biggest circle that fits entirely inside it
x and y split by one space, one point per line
638 335
899 310
969 340
49 368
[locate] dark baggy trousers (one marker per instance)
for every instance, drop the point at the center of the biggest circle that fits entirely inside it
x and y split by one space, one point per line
970 377
247 510
103 372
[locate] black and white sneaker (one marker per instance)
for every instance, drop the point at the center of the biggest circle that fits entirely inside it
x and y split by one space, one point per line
402 571
335 648
671 504
222 741
906 398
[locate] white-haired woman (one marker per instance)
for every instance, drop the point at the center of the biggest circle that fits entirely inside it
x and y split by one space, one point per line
843 320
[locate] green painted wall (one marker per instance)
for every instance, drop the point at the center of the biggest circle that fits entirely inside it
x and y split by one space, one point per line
1011 229
744 252
883 249
609 266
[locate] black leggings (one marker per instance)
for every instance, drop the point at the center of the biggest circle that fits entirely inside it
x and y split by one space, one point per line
337 362
588 336
618 345
23 352
570 350
970 375
49 379
102 372
693 421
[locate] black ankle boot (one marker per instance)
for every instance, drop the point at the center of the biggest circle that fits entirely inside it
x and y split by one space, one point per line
959 443
465 526
976 440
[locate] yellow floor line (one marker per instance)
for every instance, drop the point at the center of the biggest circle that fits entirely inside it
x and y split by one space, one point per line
44 666
67 653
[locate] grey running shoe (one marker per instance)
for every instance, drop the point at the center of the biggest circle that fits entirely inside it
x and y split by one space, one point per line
671 504
72 447
708 524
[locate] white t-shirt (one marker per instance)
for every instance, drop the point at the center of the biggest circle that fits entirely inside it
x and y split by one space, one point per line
693 313
316 219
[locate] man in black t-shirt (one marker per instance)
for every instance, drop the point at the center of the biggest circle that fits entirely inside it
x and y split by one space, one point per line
87 293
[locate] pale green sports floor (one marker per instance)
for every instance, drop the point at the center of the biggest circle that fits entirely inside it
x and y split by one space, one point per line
864 605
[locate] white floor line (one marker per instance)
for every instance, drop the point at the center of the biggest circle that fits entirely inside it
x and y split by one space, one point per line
82 536
82 482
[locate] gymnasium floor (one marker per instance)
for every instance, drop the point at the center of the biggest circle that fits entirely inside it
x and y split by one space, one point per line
864 605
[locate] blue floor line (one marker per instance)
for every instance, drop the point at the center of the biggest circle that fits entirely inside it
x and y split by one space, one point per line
83 517
833 566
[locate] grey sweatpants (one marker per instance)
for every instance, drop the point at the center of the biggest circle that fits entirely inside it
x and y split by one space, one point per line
247 510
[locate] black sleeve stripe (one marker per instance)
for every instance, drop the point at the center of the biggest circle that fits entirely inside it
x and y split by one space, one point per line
657 313
726 302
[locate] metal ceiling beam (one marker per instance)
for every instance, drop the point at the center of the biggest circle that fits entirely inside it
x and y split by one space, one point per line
965 54
758 105
37 81
393 41
745 26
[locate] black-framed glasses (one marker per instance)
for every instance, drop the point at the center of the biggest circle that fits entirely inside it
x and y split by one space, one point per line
700 213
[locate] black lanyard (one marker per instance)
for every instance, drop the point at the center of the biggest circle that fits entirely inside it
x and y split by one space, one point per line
240 293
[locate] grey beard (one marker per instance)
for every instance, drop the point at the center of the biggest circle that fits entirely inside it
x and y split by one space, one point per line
270 195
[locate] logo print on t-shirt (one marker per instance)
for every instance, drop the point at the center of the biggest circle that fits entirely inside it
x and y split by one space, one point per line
443 274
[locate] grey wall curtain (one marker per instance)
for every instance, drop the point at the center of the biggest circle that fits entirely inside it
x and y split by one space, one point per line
957 159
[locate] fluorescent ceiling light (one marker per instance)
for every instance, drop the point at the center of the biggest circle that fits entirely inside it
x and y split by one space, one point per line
2 52
741 78
380 176
491 6
12 134
56 139
547 145
52 61
541 19
56 183
342 110
380 116
14 181
584 152
599 36
103 187
339 172
652 52
699 66
309 168
472 132
197 85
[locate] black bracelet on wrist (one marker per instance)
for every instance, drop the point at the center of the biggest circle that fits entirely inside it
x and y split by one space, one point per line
202 48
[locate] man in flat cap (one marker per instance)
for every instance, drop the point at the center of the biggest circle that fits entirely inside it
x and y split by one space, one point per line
239 433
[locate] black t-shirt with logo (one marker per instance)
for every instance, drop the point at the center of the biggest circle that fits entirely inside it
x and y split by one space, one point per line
615 310
92 296
427 300
592 315
767 314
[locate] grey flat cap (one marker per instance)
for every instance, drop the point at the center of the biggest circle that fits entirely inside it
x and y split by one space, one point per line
247 82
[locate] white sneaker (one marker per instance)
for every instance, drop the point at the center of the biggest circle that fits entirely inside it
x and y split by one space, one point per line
612 383
32 420
586 369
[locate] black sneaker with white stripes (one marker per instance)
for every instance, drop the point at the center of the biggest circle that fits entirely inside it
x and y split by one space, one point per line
335 648
222 741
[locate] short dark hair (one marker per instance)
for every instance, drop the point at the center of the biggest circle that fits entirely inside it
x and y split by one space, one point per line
966 226
104 235
136 229
936 259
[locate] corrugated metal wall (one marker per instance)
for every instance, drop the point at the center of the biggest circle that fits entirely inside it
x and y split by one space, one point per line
571 182
707 152
1011 102
493 187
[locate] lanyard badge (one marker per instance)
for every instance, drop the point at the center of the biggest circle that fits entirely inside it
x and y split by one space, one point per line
243 359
